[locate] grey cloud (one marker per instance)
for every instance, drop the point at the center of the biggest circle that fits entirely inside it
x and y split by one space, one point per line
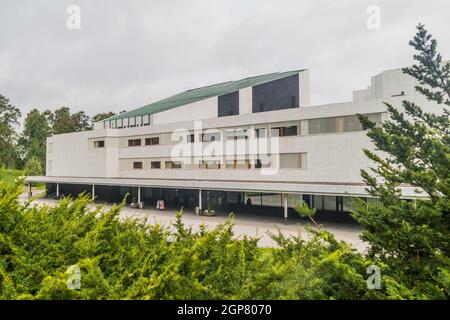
131 53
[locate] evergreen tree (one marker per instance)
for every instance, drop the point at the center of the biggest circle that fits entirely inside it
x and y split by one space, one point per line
411 239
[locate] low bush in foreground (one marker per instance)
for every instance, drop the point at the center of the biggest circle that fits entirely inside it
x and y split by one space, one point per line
134 260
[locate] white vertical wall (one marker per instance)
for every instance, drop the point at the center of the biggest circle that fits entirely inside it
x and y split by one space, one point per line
245 100
304 89
203 109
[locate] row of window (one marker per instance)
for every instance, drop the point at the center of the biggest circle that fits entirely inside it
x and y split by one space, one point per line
286 161
314 126
144 120
231 134
339 124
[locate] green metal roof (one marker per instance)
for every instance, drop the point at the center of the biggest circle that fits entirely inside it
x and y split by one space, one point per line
202 93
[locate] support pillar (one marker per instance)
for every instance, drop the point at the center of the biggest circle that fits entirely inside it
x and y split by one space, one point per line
93 192
57 190
200 199
285 206
139 194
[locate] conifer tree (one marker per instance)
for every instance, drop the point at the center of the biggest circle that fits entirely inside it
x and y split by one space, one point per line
411 238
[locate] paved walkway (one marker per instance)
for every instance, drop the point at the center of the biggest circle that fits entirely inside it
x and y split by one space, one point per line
251 225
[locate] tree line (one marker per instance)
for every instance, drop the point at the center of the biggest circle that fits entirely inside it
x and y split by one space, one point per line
27 149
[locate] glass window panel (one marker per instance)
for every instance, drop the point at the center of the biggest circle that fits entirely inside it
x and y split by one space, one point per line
261 133
329 203
318 202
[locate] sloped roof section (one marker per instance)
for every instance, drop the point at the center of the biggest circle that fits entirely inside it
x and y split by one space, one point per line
202 93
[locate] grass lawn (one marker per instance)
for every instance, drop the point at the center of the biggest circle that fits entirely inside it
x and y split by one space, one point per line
9 175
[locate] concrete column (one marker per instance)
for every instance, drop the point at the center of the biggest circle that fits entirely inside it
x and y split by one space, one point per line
57 190
285 206
93 192
251 146
139 194
200 199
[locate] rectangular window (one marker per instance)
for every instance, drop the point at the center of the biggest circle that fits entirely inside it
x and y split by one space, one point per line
318 202
125 122
151 141
210 164
323 125
190 138
228 104
261 133
134 142
99 144
173 164
351 123
339 124
120 123
238 164
235 134
292 160
156 164
329 203
133 122
146 120
137 165
209 137
271 200
284 131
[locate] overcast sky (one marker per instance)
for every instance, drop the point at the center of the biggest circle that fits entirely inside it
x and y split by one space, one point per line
130 53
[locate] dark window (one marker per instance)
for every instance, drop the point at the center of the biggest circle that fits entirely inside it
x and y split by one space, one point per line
173 164
134 142
99 144
213 136
137 165
151 141
228 104
291 131
190 138
293 104
156 165
276 95
284 131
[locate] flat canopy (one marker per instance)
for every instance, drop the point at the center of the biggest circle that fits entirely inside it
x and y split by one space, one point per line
333 189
